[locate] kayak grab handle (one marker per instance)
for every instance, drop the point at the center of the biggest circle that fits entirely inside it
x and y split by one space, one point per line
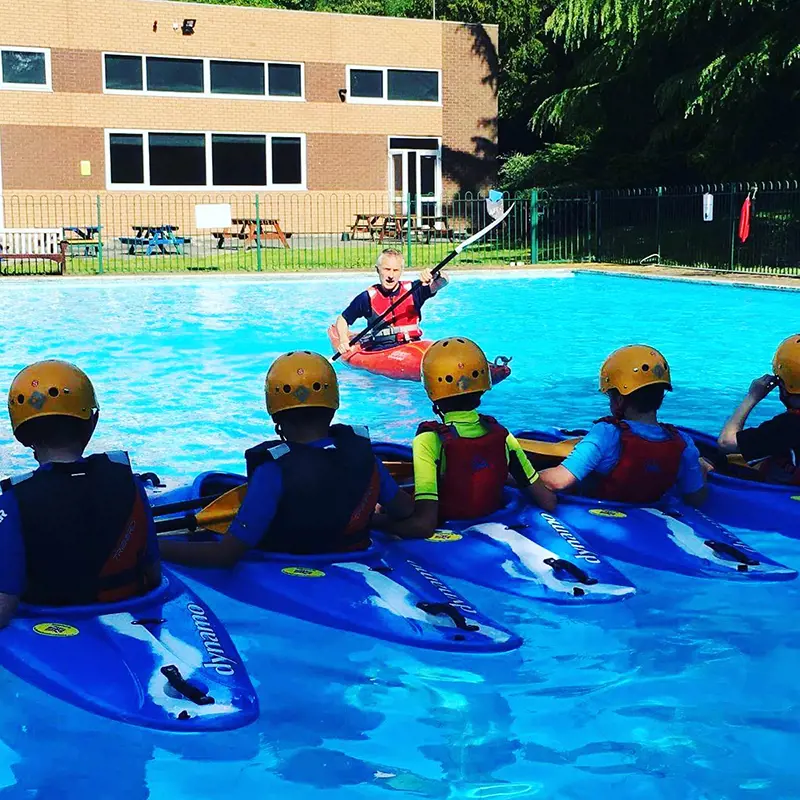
573 569
188 690
447 610
734 552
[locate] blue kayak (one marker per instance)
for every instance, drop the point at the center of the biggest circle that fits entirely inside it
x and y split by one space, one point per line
669 535
519 550
159 661
745 502
378 592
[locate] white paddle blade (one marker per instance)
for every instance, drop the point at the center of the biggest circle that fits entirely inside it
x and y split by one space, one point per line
494 204
481 233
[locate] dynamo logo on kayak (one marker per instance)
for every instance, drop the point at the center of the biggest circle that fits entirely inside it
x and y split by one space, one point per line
573 541
220 663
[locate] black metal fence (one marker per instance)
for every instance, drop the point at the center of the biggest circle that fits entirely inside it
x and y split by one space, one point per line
734 227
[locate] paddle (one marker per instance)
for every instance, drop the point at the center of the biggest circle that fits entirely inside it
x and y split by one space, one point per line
215 517
184 505
494 208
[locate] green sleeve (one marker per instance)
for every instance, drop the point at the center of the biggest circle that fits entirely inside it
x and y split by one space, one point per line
519 466
427 450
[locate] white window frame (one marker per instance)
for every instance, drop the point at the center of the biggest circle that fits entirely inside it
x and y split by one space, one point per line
206 78
417 199
384 101
146 185
47 86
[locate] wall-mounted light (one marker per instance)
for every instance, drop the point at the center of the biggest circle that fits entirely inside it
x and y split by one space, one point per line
188 27
155 25
343 94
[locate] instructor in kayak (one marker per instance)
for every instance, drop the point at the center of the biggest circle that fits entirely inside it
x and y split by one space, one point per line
403 324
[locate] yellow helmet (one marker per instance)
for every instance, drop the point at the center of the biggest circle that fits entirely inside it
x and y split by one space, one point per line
301 379
48 389
632 367
455 366
786 364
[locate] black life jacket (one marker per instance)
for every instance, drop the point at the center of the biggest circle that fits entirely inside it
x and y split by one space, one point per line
328 493
84 527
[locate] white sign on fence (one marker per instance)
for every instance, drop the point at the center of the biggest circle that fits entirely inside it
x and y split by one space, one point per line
212 215
708 207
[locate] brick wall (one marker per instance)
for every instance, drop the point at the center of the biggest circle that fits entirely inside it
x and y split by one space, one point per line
77 71
347 162
469 97
48 157
323 82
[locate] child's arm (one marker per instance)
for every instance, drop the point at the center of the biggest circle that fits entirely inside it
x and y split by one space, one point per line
527 478
584 458
759 389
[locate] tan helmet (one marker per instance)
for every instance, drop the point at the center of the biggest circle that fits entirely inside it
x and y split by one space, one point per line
455 366
786 364
48 389
632 367
301 379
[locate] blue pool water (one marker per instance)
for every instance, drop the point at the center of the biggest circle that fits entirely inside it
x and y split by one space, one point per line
688 691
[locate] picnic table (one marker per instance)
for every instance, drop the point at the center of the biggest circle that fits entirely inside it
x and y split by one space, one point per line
395 226
86 236
250 230
155 239
367 223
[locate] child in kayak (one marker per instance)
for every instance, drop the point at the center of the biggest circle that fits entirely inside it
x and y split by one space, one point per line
462 462
631 457
775 444
77 530
314 490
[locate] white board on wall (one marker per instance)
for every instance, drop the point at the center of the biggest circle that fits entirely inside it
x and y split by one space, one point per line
212 215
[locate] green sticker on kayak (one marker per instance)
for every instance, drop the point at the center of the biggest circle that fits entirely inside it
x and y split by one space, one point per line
607 512
303 572
444 536
57 629
796 497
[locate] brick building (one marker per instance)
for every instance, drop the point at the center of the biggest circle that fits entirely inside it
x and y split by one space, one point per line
163 98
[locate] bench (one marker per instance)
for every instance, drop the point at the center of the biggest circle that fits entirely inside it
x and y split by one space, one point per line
40 244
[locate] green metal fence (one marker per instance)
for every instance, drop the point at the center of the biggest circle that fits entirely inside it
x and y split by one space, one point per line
695 226
133 233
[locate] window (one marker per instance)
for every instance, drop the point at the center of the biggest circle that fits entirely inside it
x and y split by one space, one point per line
202 76
239 160
124 72
285 80
237 77
174 74
366 83
141 159
126 153
390 85
177 159
24 68
413 85
287 168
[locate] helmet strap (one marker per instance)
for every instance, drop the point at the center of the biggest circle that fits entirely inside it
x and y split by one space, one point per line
279 431
438 412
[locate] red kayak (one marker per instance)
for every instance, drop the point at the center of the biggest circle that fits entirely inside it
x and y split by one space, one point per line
403 362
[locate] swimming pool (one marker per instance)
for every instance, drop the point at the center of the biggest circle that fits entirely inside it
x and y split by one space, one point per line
687 691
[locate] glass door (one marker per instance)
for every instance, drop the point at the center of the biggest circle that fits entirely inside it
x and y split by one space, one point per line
415 172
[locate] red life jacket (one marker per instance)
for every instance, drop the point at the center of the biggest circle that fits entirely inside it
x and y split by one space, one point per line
645 470
401 325
784 468
475 472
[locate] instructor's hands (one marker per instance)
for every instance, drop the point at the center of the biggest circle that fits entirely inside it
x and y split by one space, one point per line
761 387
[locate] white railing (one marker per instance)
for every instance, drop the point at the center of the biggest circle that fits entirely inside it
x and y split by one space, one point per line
30 241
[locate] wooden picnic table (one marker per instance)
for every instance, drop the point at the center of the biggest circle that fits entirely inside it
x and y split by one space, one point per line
250 230
367 223
395 226
155 239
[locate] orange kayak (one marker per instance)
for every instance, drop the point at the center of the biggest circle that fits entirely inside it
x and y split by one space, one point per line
403 362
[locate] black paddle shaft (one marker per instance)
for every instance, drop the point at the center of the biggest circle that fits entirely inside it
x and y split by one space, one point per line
414 286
